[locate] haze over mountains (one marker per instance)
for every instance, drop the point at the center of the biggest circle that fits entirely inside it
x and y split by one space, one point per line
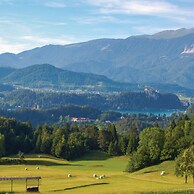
165 57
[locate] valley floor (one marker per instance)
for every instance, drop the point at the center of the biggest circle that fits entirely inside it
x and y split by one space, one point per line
55 180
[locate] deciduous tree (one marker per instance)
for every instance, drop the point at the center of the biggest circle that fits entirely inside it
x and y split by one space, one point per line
184 164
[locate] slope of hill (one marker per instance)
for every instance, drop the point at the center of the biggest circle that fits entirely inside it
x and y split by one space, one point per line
48 76
145 101
166 57
4 71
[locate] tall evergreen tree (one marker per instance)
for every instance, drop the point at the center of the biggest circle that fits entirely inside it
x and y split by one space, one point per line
46 140
2 145
104 139
113 132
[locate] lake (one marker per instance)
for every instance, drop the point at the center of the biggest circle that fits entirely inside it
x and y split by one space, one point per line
156 112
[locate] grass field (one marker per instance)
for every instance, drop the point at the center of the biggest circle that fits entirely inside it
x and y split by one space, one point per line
54 176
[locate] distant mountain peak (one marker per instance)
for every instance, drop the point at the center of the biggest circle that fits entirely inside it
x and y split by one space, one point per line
168 34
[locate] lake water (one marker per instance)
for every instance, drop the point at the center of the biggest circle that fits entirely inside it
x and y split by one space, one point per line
155 112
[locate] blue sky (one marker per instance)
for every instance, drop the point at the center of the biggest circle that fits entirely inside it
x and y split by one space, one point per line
26 24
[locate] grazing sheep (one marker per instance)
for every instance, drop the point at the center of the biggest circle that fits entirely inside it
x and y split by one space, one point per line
94 175
26 169
97 178
69 175
162 173
102 177
37 168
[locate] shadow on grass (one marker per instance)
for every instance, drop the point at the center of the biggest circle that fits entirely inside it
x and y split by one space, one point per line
150 171
170 192
34 162
93 155
81 186
49 163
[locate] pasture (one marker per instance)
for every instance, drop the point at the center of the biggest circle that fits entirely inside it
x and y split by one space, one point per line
54 173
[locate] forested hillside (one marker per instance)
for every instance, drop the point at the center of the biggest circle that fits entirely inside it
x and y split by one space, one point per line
124 100
4 71
45 76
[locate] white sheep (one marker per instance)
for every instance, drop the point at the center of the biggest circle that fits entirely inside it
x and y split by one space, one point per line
26 169
69 175
102 176
162 173
94 175
37 168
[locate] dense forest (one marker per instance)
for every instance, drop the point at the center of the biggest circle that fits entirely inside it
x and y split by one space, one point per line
150 99
66 141
147 147
156 145
53 115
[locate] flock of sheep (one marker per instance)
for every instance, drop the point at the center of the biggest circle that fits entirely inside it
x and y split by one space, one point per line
70 175
94 175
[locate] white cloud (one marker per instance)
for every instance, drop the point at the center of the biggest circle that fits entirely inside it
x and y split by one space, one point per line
29 42
11 47
151 29
93 20
40 41
141 7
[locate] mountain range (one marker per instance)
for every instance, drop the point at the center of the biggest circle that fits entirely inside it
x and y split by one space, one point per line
166 57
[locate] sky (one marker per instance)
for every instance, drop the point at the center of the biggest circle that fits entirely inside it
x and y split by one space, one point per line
26 24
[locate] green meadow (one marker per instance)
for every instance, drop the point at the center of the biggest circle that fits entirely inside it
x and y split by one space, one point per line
55 180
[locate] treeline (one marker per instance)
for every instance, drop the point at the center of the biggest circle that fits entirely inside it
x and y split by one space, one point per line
65 141
15 136
142 121
50 116
156 145
70 142
124 100
147 147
